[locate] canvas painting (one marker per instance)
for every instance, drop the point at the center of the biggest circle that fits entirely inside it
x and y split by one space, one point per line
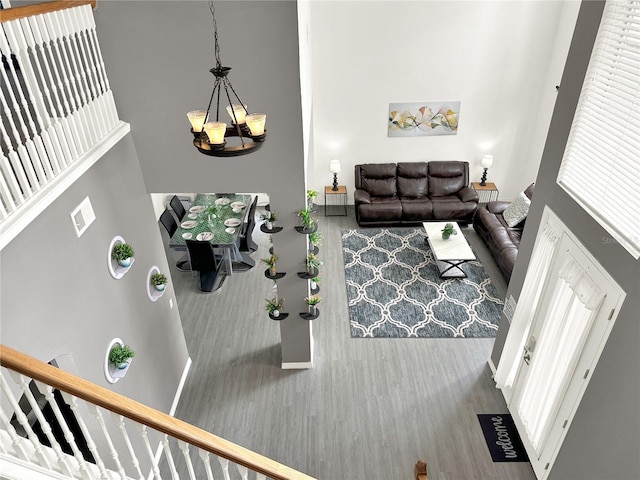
423 119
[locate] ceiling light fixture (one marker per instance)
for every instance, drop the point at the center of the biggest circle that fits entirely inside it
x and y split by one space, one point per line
210 137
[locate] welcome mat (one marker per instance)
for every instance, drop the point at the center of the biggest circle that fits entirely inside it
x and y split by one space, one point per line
394 289
502 438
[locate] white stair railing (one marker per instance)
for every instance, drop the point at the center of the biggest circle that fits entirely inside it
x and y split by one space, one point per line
57 111
119 449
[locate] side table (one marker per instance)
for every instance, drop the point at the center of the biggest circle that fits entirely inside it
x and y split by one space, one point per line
335 200
486 193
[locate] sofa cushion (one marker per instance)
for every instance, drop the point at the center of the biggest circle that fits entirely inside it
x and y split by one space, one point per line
379 179
451 207
446 178
382 209
517 211
418 209
412 179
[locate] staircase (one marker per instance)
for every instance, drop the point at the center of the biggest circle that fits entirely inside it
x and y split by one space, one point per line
115 437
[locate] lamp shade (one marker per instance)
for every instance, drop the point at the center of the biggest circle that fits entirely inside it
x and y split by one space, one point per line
215 131
256 122
196 117
240 112
334 166
487 161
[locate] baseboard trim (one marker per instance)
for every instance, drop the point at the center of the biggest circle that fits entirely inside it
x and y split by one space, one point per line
183 379
492 367
296 365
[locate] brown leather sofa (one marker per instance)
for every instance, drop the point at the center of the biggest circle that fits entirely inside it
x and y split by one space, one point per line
413 192
503 241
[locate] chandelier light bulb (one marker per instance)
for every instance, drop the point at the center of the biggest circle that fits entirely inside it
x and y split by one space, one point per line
256 122
196 117
240 112
215 131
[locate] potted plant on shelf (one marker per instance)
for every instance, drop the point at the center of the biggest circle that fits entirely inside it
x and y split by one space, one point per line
314 282
314 239
120 357
448 230
274 306
270 261
159 281
122 253
312 264
313 301
269 219
307 220
311 196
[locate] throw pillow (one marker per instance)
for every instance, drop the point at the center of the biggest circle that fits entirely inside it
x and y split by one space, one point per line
517 211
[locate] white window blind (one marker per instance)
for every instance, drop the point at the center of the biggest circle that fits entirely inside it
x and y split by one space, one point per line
601 163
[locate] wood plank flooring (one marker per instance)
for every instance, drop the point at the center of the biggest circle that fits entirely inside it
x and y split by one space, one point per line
368 409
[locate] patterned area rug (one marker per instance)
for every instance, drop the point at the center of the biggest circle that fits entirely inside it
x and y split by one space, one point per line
394 289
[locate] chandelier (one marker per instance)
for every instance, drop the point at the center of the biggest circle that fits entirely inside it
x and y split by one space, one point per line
247 129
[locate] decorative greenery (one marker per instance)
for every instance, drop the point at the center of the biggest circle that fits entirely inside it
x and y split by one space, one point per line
274 304
122 251
311 194
268 216
312 261
158 279
212 210
315 237
120 354
316 280
313 300
448 230
305 216
270 261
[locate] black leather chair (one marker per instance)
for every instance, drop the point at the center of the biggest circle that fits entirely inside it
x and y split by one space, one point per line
177 207
205 261
246 242
170 224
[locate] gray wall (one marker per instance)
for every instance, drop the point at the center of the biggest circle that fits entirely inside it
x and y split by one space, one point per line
604 437
158 55
59 299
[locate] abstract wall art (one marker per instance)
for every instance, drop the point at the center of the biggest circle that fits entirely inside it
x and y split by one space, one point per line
423 119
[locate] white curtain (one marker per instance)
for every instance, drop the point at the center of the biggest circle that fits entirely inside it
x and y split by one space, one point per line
569 317
525 309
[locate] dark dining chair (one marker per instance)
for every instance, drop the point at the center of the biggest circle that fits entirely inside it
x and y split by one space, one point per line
177 207
169 223
246 242
205 261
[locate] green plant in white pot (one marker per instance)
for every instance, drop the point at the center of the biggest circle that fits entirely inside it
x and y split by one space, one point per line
448 230
122 253
120 357
274 306
159 281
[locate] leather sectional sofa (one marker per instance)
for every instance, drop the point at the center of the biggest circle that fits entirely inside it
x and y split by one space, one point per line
413 192
503 241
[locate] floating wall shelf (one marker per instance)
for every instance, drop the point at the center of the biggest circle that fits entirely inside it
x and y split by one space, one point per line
152 292
306 230
277 276
111 372
264 229
309 316
282 316
306 275
116 270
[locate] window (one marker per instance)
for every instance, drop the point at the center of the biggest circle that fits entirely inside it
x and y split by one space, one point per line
601 163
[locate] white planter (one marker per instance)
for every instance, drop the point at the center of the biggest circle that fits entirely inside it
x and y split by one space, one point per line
276 313
268 225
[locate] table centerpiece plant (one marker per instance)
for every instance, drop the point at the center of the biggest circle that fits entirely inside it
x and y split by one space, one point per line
448 230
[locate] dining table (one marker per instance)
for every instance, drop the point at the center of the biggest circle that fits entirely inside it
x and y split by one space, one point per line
217 218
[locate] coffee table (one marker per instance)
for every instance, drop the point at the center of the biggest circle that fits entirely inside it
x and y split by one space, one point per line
449 254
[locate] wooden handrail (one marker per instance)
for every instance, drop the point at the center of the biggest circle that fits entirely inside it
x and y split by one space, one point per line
16 13
121 405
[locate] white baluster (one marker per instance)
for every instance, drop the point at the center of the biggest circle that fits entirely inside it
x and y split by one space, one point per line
77 146
5 191
13 177
42 162
41 457
81 35
184 447
112 449
23 382
16 440
224 463
169 457
61 130
47 391
33 164
109 103
244 472
58 26
142 429
91 445
204 455
119 420
52 32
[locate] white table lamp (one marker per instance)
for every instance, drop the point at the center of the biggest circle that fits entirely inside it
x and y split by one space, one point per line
334 167
487 163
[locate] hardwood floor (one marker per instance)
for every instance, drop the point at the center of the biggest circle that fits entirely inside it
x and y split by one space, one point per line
369 409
